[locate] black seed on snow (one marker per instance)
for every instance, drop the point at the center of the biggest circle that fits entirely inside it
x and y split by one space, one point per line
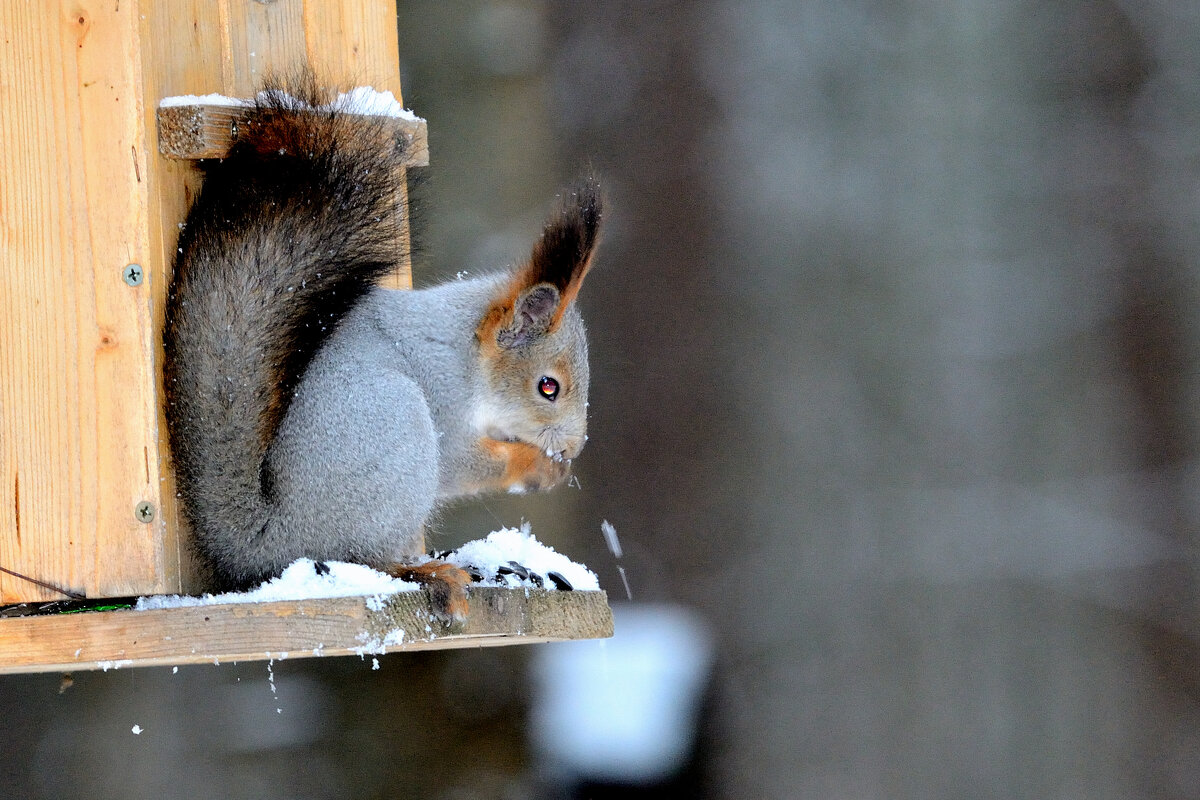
560 583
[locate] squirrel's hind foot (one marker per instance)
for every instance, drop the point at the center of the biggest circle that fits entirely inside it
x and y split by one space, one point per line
447 585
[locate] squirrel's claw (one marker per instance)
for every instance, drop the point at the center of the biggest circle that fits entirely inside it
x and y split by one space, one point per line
447 585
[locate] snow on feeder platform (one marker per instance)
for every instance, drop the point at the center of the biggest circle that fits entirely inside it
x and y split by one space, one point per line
334 608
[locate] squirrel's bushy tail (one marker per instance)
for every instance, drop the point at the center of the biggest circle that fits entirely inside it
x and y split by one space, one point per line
287 234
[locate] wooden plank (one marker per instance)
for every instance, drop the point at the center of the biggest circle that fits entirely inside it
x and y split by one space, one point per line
203 130
294 629
261 37
355 39
78 432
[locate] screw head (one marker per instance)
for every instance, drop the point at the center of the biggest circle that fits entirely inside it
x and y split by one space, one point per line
144 511
133 274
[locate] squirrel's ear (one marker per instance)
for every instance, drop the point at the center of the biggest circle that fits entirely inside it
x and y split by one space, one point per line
563 254
532 314
542 290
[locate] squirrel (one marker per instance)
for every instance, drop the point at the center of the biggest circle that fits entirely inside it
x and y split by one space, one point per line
313 413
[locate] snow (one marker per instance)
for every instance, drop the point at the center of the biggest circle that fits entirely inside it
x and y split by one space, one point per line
614 547
375 645
625 582
300 581
362 100
610 538
519 545
365 100
200 100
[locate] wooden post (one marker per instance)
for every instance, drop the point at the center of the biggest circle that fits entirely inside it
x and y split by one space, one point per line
86 495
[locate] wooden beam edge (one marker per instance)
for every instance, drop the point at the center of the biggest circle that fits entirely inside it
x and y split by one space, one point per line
203 130
294 629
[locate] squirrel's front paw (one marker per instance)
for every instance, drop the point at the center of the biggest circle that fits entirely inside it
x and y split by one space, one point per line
543 474
524 467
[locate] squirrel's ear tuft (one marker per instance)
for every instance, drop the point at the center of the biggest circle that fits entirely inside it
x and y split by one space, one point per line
563 254
539 293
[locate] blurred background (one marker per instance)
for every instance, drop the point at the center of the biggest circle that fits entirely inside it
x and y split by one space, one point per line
895 344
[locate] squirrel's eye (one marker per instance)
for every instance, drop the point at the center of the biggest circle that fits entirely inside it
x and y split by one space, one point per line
548 387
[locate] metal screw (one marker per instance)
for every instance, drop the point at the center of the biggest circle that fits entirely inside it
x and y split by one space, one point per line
144 511
133 274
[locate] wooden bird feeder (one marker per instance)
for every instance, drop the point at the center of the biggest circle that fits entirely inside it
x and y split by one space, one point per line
95 184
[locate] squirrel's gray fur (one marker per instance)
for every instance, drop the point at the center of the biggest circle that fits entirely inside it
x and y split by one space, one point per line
312 413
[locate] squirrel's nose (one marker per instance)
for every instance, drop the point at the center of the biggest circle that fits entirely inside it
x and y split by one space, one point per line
562 445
